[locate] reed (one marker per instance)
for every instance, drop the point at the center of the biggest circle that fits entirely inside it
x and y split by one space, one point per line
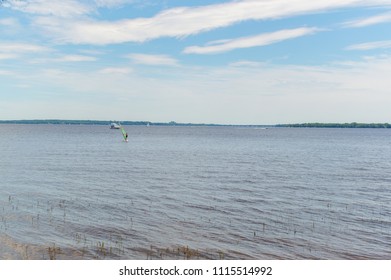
53 251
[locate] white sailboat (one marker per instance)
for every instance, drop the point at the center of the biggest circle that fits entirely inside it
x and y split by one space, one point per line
115 126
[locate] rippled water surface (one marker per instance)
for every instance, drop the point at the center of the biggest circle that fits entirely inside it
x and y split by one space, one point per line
80 192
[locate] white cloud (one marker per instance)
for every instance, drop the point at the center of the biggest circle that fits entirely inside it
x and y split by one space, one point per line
74 58
253 41
5 72
58 8
246 63
185 21
112 3
248 94
14 50
370 46
64 8
242 92
150 59
10 26
382 18
4 56
116 70
9 22
21 48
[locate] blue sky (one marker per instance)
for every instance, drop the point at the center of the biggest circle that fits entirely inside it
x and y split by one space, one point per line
229 62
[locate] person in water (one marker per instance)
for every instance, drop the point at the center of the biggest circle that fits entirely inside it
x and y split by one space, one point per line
126 136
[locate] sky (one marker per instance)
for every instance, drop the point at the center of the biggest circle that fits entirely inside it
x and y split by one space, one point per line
212 61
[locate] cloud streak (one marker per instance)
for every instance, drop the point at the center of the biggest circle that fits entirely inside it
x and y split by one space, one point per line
183 21
74 58
15 50
253 41
8 22
21 48
149 59
112 3
370 46
4 56
4 72
382 18
116 70
58 8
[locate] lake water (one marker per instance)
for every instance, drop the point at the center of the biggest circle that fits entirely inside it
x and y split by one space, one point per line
81 192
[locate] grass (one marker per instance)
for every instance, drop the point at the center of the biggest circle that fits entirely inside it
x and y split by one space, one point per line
278 233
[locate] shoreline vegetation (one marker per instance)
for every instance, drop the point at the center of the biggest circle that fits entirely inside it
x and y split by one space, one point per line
172 123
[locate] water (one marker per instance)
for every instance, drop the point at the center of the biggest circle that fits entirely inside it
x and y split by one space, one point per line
80 192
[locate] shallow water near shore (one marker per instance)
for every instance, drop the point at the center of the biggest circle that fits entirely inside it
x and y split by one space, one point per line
81 192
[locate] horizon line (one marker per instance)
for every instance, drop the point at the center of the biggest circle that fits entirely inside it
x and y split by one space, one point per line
174 123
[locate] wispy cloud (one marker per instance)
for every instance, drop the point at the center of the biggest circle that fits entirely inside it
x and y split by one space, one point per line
382 18
116 70
180 21
243 92
5 72
10 50
61 8
269 93
9 22
21 48
253 41
370 46
113 3
15 50
246 63
58 8
62 58
4 56
74 58
151 59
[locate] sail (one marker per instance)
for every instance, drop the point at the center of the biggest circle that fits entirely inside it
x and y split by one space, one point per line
123 133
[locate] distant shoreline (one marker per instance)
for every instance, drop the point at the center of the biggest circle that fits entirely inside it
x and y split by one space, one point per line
338 125
172 123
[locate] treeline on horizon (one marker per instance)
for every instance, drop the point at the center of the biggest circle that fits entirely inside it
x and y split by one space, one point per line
172 123
338 125
96 122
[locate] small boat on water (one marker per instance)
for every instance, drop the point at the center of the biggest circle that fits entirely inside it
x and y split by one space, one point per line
115 126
